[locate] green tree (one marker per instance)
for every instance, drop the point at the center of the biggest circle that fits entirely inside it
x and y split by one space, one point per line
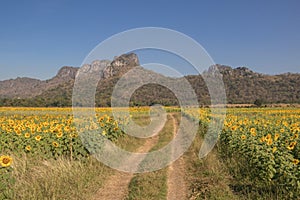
258 102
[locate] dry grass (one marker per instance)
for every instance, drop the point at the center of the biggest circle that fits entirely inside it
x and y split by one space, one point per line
63 179
208 178
57 179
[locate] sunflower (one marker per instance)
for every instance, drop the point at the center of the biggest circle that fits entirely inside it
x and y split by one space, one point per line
28 148
276 136
73 135
101 119
292 145
269 141
38 138
67 129
296 136
55 144
27 135
233 128
5 161
55 130
296 161
59 135
32 129
268 137
18 132
243 137
252 130
262 139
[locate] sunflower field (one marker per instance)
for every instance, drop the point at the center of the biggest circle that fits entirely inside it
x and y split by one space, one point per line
50 132
265 143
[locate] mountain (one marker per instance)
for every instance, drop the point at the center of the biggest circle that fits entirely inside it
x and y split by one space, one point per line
28 87
242 85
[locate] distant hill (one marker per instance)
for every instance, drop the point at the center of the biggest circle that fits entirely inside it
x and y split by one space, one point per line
241 84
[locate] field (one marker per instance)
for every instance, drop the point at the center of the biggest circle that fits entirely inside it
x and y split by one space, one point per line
261 149
43 156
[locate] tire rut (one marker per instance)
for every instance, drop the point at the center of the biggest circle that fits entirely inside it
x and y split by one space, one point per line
177 187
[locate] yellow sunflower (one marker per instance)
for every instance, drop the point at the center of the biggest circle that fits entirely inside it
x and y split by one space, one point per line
268 137
253 132
38 138
5 161
243 137
55 144
292 145
296 161
233 128
262 139
28 148
18 132
269 141
59 135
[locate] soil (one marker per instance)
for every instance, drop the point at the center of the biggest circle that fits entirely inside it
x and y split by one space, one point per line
177 187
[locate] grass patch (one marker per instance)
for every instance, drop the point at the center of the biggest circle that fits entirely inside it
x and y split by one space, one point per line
129 143
207 178
57 179
141 119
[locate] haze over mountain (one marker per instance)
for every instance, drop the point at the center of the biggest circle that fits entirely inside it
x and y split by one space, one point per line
242 85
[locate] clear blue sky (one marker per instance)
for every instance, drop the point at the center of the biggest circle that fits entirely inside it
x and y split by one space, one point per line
39 37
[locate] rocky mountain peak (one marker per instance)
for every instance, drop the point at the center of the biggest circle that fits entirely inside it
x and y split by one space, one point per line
67 72
244 71
130 59
227 70
121 64
220 68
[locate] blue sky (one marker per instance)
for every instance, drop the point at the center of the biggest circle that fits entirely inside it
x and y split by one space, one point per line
39 37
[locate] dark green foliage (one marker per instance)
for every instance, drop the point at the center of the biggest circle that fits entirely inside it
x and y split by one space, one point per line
258 102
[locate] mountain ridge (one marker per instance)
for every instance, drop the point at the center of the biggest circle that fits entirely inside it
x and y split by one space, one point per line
242 85
25 87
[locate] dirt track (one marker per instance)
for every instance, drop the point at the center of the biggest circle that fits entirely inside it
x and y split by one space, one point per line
177 188
116 186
